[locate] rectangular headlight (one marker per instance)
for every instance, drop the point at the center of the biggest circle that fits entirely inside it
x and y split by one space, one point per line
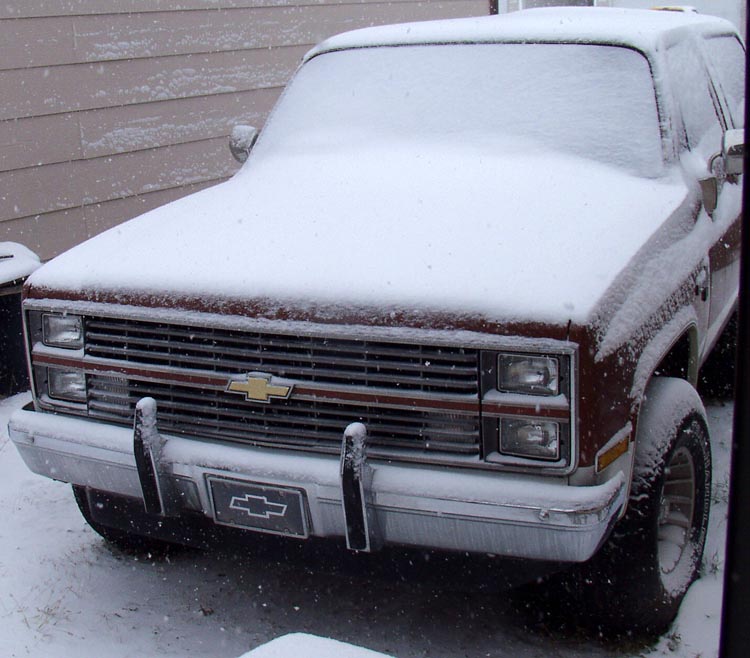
66 384
530 438
62 330
528 374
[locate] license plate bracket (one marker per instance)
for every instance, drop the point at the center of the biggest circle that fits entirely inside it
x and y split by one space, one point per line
259 507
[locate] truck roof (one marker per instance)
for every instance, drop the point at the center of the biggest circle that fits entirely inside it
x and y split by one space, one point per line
642 29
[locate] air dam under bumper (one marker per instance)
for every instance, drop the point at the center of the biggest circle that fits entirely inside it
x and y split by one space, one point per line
501 513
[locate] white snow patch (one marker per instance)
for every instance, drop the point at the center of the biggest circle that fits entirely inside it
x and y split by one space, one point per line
297 645
16 262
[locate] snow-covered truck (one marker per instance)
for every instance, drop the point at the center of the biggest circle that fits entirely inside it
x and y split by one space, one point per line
457 298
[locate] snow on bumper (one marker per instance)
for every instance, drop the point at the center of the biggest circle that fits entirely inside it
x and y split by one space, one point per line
504 514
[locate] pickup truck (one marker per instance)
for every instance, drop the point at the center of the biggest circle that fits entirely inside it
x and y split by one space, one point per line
458 297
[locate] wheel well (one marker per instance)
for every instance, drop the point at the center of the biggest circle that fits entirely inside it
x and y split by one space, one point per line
681 360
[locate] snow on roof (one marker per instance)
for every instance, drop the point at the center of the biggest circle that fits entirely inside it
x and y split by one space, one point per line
639 28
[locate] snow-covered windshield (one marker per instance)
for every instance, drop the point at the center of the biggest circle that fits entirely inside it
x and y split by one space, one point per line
589 100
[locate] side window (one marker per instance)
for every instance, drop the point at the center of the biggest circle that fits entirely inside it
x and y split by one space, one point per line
692 89
728 62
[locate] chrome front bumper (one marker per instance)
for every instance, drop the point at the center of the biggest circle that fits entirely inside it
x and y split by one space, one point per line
505 514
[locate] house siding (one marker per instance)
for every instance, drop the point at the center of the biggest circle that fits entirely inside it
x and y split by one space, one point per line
110 108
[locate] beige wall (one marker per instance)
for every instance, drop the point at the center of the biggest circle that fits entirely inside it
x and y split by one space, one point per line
111 107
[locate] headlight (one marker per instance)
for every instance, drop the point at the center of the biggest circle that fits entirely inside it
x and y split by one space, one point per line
524 373
62 331
66 384
534 439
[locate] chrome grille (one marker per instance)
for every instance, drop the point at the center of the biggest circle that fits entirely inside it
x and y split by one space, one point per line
401 369
310 425
405 367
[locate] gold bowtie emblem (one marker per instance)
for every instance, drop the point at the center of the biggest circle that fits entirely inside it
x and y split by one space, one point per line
258 387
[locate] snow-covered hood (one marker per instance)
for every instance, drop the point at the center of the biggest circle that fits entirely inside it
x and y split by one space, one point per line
455 229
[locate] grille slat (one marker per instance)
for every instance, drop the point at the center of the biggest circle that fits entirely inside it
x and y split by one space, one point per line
430 369
251 354
314 425
390 421
213 414
175 334
282 369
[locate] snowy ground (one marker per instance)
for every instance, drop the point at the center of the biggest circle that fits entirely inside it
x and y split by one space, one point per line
65 593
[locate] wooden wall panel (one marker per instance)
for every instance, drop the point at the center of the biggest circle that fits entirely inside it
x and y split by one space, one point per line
52 233
83 182
58 89
37 42
32 8
67 40
48 234
135 127
109 108
33 141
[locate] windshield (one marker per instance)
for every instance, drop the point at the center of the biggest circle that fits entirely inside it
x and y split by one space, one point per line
588 100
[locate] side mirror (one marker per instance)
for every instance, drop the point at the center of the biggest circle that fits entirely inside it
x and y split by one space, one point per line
241 142
733 151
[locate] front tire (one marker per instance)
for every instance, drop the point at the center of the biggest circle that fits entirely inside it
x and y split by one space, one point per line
639 578
127 542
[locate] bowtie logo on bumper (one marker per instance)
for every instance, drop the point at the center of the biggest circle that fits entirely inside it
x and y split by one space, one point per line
257 506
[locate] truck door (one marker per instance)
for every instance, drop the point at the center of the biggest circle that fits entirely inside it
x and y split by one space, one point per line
702 107
726 61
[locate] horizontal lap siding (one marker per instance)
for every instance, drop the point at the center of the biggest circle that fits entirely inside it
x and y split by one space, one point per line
57 89
123 128
74 39
35 8
96 180
110 108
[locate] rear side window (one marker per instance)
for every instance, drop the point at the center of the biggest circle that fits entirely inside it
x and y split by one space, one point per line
727 58
693 91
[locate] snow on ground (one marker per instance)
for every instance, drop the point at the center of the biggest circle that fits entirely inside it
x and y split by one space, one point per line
310 646
65 593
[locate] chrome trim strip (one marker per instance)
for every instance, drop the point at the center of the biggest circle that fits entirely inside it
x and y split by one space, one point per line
468 404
